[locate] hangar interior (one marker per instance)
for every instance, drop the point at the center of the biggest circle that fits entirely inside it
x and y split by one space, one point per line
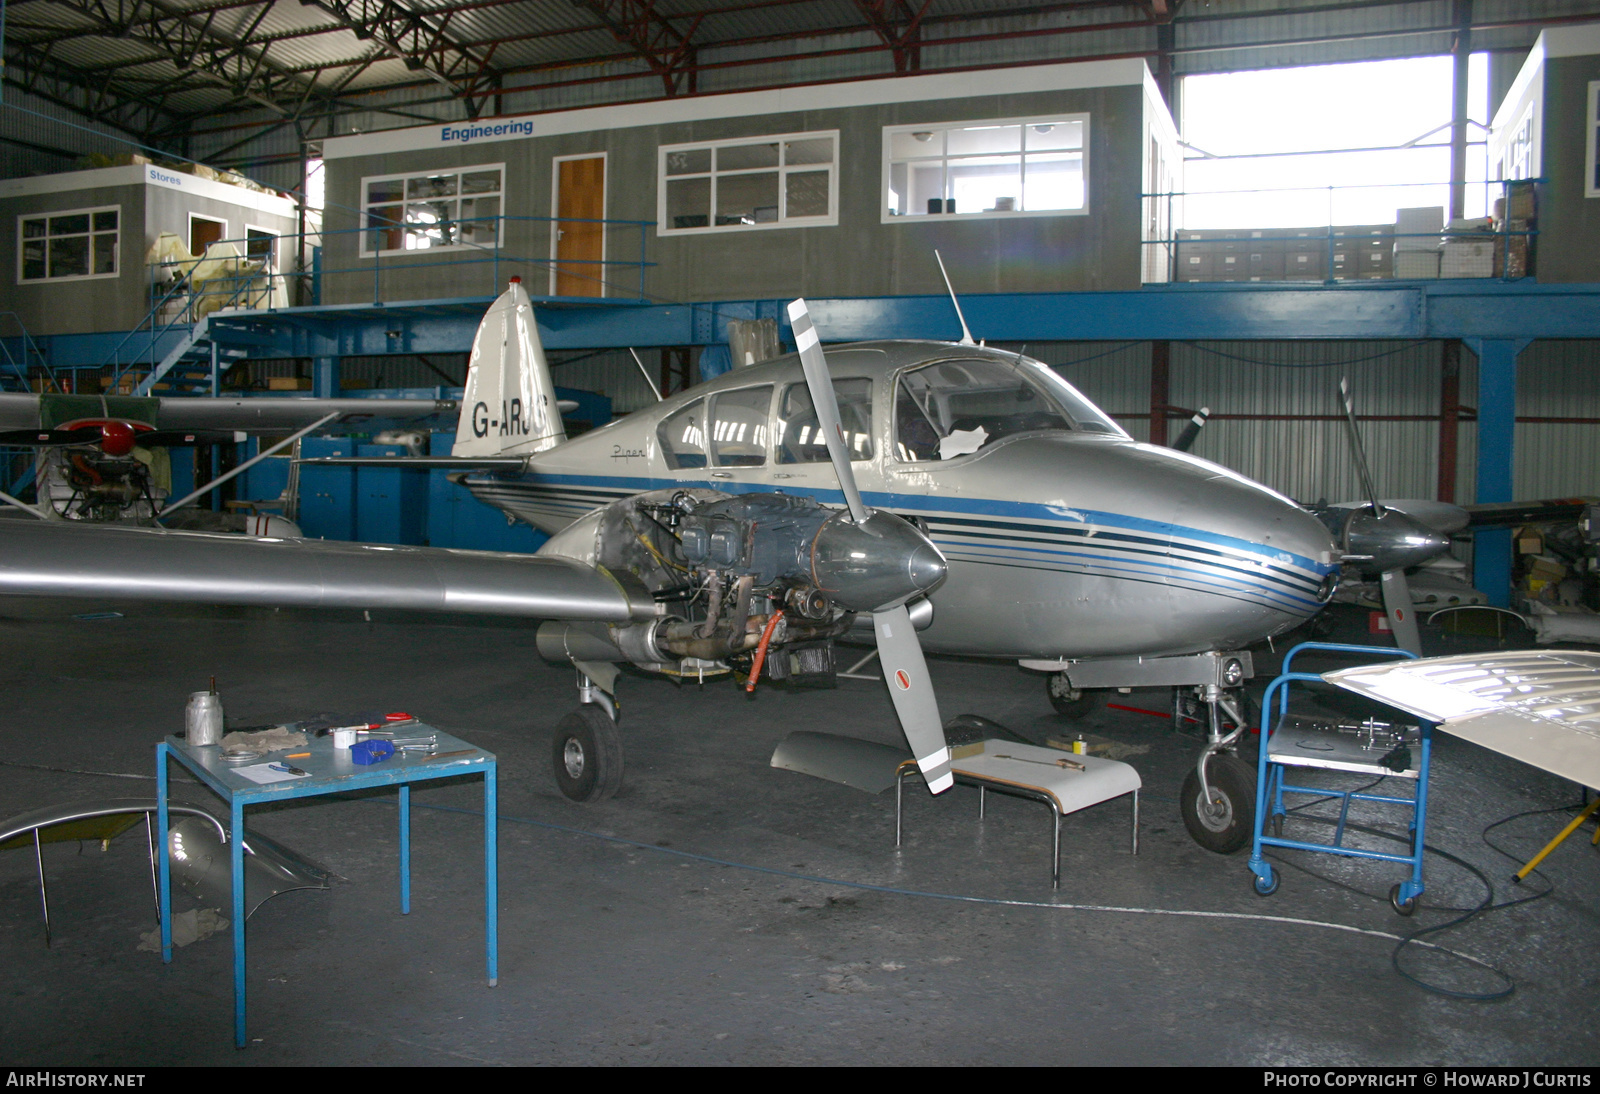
320 204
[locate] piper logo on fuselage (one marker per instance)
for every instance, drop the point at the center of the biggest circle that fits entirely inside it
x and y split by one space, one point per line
510 423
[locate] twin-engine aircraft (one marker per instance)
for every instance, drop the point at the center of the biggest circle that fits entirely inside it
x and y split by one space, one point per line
943 496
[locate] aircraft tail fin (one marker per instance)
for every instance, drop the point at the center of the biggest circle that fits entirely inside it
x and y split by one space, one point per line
509 407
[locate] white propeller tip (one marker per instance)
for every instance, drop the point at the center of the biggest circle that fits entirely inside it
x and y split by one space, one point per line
941 784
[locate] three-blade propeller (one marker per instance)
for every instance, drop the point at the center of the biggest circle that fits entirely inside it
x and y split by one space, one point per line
904 668
1390 537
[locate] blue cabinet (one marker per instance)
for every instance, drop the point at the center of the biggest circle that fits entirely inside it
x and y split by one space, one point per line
327 494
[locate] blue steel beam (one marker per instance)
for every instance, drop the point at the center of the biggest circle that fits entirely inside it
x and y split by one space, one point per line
1445 309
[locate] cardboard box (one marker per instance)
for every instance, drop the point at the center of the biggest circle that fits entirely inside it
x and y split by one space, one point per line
1467 259
1413 265
1265 265
288 383
1419 229
1529 540
1521 200
124 386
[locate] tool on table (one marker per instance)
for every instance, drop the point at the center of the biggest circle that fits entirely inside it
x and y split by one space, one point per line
298 756
1072 764
443 755
288 768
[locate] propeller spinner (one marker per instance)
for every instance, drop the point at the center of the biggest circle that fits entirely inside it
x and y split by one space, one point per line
876 563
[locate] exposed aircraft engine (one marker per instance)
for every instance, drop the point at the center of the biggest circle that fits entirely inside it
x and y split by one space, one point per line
774 576
88 483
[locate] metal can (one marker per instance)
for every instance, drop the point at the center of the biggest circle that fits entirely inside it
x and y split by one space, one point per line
202 719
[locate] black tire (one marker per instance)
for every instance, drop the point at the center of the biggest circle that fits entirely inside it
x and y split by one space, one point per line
1267 888
1233 783
1070 702
586 755
1407 908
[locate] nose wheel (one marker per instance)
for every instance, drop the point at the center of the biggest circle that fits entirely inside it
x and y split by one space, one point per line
1222 822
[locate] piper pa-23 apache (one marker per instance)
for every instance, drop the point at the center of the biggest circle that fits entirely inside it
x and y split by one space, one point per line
957 499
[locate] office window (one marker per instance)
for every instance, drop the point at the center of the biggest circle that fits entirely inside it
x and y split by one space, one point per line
427 210
745 184
1517 159
80 243
986 168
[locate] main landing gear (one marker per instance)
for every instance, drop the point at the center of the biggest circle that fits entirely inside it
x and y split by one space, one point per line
586 752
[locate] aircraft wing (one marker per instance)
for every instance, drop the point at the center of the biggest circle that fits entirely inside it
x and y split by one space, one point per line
20 411
288 415
101 562
1538 706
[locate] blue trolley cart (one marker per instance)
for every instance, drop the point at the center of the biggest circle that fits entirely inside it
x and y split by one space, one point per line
1370 748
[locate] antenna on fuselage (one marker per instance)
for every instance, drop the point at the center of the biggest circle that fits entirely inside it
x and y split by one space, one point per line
647 377
966 335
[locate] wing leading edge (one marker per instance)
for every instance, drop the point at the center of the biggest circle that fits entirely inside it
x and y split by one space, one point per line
100 562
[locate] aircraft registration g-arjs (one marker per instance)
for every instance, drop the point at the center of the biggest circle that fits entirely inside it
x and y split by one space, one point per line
985 504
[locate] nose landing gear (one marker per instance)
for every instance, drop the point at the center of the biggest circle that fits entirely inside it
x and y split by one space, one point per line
1218 799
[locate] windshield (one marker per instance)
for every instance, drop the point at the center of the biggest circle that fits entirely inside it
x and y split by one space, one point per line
951 408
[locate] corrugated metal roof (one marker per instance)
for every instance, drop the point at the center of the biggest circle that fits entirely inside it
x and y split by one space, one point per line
553 55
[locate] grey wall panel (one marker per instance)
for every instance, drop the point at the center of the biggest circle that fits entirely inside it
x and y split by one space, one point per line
38 137
859 257
1569 223
1312 459
64 307
1558 379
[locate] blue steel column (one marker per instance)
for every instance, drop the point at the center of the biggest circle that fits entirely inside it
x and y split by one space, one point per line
236 858
1497 424
325 377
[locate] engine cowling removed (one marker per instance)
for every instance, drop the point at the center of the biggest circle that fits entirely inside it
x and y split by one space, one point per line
737 577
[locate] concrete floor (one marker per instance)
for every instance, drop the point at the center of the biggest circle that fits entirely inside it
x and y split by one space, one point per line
622 941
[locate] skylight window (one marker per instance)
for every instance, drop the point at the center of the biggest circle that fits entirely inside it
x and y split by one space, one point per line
1329 144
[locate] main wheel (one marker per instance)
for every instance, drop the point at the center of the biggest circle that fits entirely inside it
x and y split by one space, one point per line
1070 702
586 755
1227 826
1401 907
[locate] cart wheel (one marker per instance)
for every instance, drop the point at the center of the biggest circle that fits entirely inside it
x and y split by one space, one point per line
1269 886
1227 826
1406 908
586 755
1070 702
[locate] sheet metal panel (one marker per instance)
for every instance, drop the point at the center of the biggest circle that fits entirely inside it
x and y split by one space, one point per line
1557 379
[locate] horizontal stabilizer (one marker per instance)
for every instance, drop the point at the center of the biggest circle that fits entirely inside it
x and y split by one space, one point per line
50 558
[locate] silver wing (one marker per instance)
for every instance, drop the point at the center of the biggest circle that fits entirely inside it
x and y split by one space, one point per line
20 410
112 562
1538 706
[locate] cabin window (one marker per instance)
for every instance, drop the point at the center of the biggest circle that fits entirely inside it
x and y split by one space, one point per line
953 408
683 437
786 181
801 440
429 210
739 427
68 246
1012 167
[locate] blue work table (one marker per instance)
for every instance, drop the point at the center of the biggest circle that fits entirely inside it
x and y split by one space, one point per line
329 770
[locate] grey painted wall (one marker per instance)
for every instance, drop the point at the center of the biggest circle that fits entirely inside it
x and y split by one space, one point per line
120 303
67 307
1569 223
859 257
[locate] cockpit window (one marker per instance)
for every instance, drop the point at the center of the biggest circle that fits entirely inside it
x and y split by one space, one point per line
951 408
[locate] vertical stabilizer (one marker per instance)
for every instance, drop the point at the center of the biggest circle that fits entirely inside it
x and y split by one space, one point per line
509 406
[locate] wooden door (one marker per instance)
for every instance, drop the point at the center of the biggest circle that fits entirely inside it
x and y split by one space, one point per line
580 238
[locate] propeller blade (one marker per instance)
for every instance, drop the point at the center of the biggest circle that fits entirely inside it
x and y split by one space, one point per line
827 407
906 672
1402 614
1355 445
1191 431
